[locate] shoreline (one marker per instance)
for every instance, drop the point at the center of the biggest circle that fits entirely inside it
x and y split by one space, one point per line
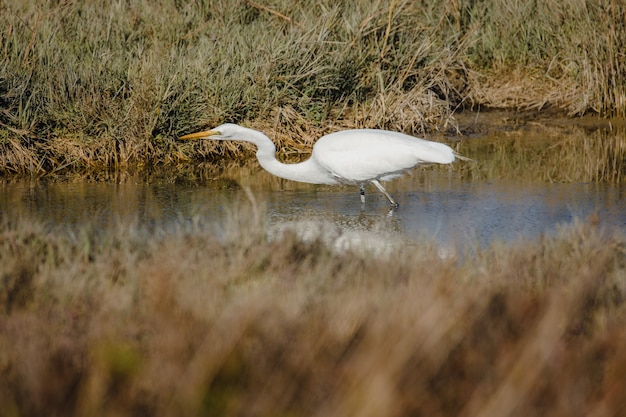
467 126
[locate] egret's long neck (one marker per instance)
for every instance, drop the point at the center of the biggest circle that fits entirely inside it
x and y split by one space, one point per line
307 171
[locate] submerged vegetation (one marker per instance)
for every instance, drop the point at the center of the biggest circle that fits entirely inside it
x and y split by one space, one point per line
129 321
88 86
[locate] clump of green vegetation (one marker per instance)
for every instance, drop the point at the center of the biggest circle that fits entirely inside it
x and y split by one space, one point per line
128 321
86 85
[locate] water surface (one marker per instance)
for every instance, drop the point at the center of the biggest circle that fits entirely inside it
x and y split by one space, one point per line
433 205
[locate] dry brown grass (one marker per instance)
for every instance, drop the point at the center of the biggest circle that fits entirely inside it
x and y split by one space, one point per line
124 85
134 322
525 90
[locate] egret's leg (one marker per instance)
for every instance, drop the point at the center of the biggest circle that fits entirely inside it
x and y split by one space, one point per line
362 194
382 190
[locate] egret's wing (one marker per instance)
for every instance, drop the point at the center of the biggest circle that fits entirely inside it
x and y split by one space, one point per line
366 154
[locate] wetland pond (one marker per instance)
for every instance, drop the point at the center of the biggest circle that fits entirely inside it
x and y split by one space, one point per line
526 181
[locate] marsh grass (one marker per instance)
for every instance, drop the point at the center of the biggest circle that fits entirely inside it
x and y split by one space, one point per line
87 86
128 321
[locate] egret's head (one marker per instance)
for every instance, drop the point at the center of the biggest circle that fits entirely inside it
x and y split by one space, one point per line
225 131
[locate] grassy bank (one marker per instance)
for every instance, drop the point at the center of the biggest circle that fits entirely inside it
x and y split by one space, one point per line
90 86
127 321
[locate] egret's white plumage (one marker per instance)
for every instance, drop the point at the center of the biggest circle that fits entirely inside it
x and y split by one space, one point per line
353 157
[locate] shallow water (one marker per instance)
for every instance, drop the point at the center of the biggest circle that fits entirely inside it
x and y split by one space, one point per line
438 206
508 194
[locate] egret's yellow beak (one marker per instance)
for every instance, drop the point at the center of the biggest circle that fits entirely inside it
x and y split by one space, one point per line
200 135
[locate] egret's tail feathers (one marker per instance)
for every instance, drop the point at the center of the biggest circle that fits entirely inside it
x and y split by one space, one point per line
463 158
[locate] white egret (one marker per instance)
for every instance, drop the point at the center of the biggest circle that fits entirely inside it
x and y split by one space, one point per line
354 157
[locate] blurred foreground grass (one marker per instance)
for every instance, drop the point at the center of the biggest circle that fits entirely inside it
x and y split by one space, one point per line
128 321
